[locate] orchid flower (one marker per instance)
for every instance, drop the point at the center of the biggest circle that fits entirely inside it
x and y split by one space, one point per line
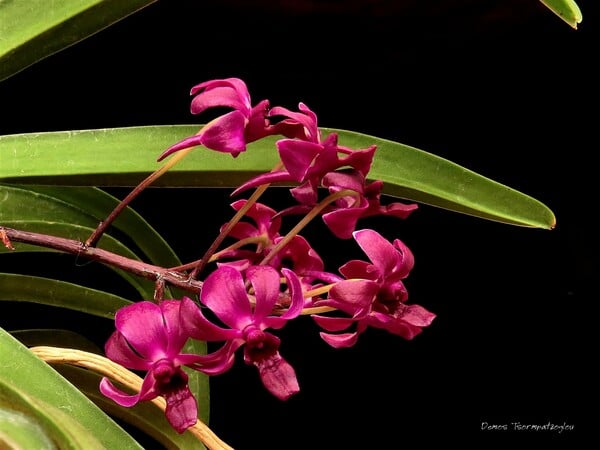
297 255
248 316
374 294
149 338
307 162
231 132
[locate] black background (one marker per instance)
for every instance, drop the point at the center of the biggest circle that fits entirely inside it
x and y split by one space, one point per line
504 88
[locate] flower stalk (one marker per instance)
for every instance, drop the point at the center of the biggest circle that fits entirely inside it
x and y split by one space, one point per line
105 367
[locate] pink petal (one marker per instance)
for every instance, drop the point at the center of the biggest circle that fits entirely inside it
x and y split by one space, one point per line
408 259
118 350
297 299
343 340
333 323
225 294
360 269
182 410
118 396
418 316
219 361
265 178
381 252
278 376
297 156
226 133
175 332
354 296
141 324
266 284
342 222
191 141
199 327
220 96
238 86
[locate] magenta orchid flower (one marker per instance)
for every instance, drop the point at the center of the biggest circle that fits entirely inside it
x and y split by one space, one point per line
297 255
307 162
374 294
231 132
341 217
149 338
248 316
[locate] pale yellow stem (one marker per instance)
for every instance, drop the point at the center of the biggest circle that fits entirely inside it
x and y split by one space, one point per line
116 372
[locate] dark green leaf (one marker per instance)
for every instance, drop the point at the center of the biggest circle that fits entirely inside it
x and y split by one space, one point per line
51 292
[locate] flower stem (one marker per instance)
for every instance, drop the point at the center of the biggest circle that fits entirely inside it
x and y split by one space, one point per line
238 244
103 226
305 221
225 232
142 269
116 372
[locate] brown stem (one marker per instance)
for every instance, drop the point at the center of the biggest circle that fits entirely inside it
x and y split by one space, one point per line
103 226
142 269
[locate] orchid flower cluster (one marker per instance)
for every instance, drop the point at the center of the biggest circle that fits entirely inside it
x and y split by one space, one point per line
267 277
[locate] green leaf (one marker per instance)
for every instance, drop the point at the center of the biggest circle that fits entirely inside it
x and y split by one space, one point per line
99 204
70 158
46 291
55 338
73 213
31 30
567 10
19 431
144 287
30 386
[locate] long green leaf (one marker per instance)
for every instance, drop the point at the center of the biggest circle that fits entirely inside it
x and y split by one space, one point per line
47 291
70 158
31 30
99 204
73 421
73 212
144 287
567 10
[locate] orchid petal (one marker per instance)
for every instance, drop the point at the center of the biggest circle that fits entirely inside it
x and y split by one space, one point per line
354 296
118 396
266 284
333 323
220 96
199 327
118 350
342 222
360 269
278 376
297 156
175 333
297 299
182 409
191 141
342 340
226 133
381 252
143 327
225 294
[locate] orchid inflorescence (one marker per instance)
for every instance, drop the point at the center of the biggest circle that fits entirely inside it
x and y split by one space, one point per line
266 278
